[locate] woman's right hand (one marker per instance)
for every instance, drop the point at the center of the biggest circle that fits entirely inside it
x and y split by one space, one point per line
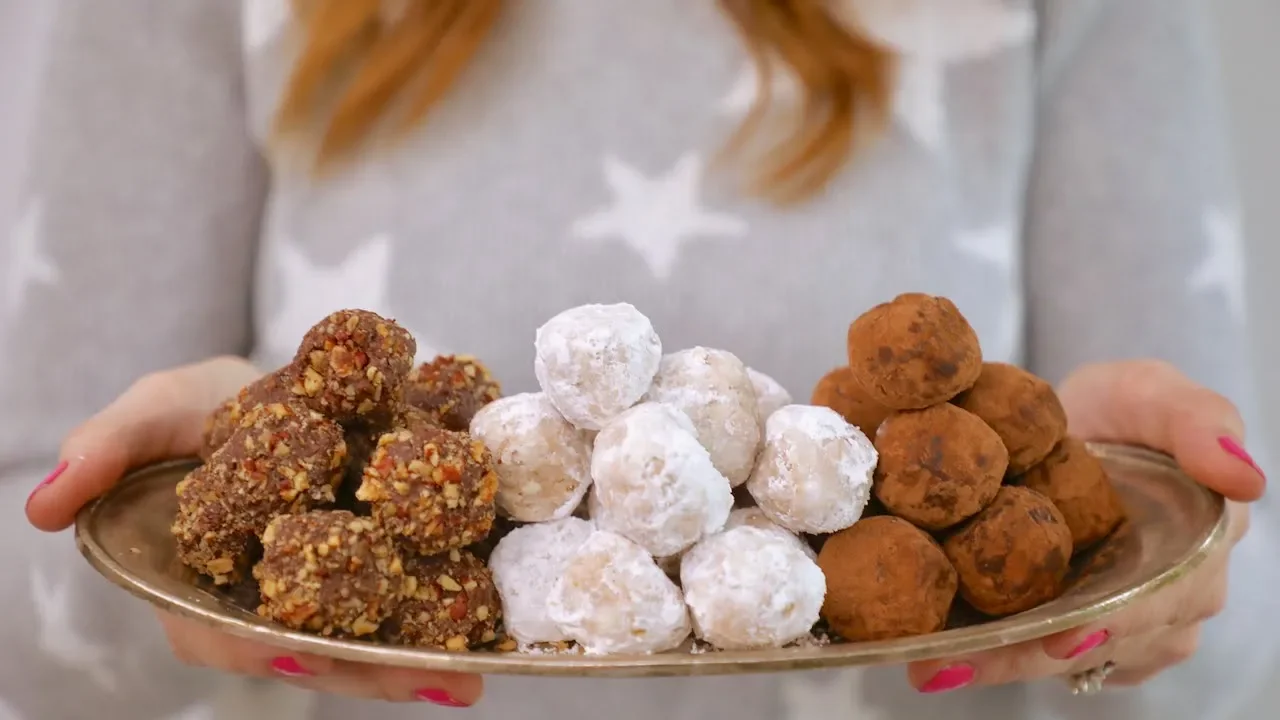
161 417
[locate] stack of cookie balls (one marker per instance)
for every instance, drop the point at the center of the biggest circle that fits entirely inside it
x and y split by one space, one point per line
983 493
346 485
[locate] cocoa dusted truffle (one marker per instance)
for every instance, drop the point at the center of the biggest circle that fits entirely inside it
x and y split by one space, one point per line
913 352
449 602
328 572
353 365
840 392
268 389
433 489
1077 484
452 388
283 458
1022 409
885 579
938 466
1014 555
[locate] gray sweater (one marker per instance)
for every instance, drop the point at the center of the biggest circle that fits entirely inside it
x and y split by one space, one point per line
1055 167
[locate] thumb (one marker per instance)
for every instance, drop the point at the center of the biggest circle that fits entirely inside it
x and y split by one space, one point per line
160 417
1153 405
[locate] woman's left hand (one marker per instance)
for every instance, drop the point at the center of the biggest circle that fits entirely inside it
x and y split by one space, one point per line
1150 404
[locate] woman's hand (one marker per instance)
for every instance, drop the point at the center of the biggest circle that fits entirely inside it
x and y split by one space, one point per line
1150 404
162 417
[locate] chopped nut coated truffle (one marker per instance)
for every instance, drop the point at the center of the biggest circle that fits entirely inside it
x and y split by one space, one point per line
353 365
449 603
451 389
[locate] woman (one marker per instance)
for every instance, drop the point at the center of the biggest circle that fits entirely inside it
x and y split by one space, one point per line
472 167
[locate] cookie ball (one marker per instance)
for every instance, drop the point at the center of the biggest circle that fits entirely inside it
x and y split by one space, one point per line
282 459
750 588
814 473
655 483
1077 484
612 598
525 565
713 389
885 579
433 489
913 352
1023 410
266 390
1014 555
938 466
838 391
770 395
452 389
449 603
328 572
353 365
543 461
595 361
755 517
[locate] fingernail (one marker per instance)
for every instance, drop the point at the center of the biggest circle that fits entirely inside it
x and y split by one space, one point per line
62 467
1090 643
1230 445
289 667
952 677
439 697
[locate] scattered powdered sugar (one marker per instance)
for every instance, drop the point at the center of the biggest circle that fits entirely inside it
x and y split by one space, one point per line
755 517
770 395
525 564
814 473
714 389
594 361
543 462
655 483
612 598
751 588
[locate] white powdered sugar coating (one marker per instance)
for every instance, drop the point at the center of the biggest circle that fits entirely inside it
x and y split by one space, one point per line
669 564
714 389
655 483
770 395
543 462
612 598
814 473
525 564
594 361
751 588
755 517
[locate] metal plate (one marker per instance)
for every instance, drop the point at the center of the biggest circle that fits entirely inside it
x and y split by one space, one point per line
1174 523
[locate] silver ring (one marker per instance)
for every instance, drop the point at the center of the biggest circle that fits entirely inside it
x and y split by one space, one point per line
1090 681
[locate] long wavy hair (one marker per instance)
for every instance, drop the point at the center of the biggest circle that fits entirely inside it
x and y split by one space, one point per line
363 63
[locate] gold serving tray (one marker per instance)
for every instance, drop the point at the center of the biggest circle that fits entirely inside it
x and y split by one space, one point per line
1174 523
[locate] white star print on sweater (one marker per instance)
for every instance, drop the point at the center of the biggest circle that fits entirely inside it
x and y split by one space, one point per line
263 21
58 636
997 246
1223 267
28 264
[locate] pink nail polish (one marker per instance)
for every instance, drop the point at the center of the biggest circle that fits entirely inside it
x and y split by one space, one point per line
439 697
1090 643
57 472
952 677
1230 445
289 667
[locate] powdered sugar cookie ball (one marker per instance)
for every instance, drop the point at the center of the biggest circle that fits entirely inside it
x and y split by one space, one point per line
543 462
713 388
595 361
612 598
525 565
755 517
814 473
770 395
751 588
655 484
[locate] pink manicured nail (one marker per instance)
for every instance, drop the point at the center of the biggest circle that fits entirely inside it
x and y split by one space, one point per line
62 467
1230 445
1090 643
289 667
952 677
439 697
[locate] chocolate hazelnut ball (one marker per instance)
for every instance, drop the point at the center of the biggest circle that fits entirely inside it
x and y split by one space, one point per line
1014 555
839 391
885 579
938 466
913 352
1076 483
1022 409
